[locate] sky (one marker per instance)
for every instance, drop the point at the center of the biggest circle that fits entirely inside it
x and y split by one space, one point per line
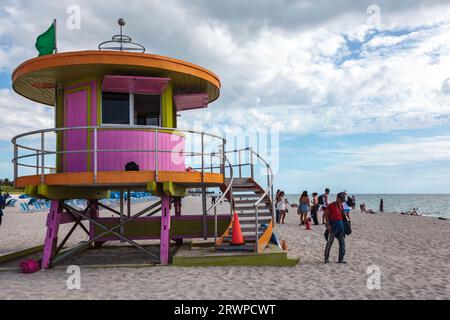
355 93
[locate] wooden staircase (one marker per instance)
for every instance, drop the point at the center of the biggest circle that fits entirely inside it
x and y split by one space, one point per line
245 193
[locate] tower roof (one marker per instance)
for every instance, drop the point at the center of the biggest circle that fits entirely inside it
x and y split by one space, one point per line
36 79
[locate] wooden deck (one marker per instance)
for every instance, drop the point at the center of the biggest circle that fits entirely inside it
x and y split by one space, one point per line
111 179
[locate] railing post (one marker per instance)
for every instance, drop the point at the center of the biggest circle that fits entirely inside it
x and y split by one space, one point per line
256 231
16 166
42 157
37 163
203 157
240 166
128 202
215 224
231 201
95 155
121 215
222 158
211 161
156 155
252 172
205 219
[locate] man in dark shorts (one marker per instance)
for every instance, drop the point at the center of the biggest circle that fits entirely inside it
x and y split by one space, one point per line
334 218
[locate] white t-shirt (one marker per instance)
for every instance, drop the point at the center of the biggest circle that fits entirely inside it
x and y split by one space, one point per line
281 205
345 206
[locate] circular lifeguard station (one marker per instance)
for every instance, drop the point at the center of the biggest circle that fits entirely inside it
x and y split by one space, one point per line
116 129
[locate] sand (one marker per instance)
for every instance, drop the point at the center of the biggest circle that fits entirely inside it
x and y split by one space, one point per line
412 254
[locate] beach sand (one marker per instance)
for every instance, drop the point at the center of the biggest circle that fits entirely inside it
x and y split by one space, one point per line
412 254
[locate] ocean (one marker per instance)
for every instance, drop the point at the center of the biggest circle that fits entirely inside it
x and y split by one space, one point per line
433 205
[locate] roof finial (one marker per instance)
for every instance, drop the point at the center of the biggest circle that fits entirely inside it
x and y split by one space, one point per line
122 39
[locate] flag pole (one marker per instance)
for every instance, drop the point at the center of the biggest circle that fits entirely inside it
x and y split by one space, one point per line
56 46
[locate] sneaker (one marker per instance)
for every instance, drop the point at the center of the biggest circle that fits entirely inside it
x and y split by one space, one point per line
342 262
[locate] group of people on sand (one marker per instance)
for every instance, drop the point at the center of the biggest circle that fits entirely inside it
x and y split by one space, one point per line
363 209
335 217
309 205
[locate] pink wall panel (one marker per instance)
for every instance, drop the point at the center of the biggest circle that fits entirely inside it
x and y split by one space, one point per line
76 116
139 140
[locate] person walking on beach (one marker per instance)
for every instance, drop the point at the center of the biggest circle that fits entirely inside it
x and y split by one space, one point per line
314 208
347 206
2 206
354 202
334 217
277 212
323 201
282 206
303 207
381 205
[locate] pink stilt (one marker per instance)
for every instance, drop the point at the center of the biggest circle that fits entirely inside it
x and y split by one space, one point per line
51 238
165 230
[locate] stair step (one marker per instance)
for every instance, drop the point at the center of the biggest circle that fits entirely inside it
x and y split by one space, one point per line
260 220
227 239
249 229
248 201
252 214
228 247
236 180
261 207
246 195
246 187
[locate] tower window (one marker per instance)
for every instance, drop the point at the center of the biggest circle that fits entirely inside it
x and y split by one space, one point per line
131 109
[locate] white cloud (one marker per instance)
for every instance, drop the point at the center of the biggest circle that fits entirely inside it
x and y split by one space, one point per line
19 115
414 165
277 77
406 152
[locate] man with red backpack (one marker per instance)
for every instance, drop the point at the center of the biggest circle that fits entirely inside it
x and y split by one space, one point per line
337 226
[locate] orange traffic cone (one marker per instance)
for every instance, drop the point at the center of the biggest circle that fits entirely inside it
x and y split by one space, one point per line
237 238
307 224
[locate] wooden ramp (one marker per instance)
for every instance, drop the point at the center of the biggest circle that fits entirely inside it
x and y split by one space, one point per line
205 255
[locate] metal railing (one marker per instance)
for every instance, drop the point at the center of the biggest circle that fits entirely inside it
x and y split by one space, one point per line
40 153
267 192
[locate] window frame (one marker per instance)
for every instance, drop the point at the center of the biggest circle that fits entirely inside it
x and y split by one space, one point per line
131 111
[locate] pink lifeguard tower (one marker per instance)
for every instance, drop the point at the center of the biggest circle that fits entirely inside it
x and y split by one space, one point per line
116 130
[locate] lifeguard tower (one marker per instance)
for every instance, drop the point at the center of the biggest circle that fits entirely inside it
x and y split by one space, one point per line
116 107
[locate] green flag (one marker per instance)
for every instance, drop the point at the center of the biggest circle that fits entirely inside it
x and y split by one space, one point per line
46 42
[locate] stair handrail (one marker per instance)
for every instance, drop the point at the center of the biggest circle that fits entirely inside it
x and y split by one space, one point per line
267 191
229 190
270 172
